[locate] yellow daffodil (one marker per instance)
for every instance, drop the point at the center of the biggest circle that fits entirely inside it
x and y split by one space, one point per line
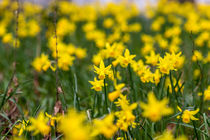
22 126
207 94
104 126
125 115
115 94
74 127
41 63
102 71
39 125
97 84
155 109
188 115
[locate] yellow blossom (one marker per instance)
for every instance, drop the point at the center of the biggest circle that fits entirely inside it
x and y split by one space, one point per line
108 23
104 126
53 119
102 71
115 94
197 56
41 63
22 126
65 61
155 109
188 115
80 53
152 59
167 135
124 60
39 125
170 62
207 94
125 115
97 84
74 127
7 38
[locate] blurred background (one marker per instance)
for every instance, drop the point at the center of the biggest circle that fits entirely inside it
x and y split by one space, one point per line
139 3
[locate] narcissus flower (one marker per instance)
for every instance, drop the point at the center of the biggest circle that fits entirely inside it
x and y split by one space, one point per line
167 135
41 63
53 119
125 115
170 62
74 126
65 61
197 56
97 84
124 60
115 94
155 109
102 71
39 125
104 126
152 58
188 115
22 126
207 94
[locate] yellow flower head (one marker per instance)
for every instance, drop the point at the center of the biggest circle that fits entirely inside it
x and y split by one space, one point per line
39 125
155 109
104 126
80 53
74 127
152 58
125 115
102 71
65 61
97 84
115 94
168 135
188 115
124 60
22 127
197 56
170 62
41 63
207 94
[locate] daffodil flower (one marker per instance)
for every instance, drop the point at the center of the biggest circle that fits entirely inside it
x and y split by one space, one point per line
187 115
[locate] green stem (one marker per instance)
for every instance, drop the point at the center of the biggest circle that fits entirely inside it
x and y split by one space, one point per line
94 104
105 97
196 133
131 83
173 89
98 103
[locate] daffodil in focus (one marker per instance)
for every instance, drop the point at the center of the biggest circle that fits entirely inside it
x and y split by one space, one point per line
170 62
102 71
188 115
155 109
124 60
97 84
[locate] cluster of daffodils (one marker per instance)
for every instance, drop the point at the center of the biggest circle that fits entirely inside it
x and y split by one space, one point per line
135 74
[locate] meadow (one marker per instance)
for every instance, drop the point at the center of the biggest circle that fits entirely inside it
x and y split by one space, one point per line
100 72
